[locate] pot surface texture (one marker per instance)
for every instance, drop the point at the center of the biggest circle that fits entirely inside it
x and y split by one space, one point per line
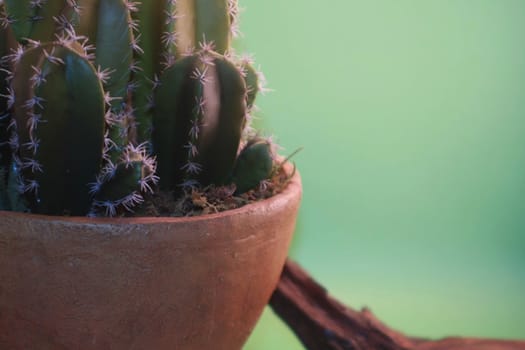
141 283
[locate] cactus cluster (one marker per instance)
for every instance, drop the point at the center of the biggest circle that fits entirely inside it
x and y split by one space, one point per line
103 101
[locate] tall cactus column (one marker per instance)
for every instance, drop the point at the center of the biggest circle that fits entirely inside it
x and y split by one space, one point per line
200 105
199 115
108 29
60 123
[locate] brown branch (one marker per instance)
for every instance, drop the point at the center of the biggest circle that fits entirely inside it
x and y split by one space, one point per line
323 323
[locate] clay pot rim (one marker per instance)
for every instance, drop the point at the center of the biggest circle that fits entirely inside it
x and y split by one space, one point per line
292 189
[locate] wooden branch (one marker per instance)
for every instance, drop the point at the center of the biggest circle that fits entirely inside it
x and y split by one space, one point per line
323 323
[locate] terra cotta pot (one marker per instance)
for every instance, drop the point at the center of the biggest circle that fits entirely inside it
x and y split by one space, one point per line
141 283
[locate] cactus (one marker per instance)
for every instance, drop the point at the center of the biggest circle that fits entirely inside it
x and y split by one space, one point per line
60 126
100 100
254 164
107 29
200 110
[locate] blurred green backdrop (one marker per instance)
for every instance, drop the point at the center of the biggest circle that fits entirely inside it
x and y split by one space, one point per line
412 118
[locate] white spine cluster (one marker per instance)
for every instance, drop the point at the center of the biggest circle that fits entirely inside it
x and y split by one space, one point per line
131 157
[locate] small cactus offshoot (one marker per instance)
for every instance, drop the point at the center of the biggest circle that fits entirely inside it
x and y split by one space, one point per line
103 102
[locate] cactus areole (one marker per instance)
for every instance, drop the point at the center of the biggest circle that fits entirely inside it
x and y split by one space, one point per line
105 107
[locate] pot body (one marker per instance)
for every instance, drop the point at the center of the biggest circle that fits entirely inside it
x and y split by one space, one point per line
141 283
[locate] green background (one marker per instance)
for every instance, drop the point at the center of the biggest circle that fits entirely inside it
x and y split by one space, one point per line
412 118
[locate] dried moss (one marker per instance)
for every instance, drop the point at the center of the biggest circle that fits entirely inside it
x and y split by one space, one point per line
212 199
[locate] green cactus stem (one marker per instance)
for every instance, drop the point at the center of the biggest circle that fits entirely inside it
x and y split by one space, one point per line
108 26
205 22
10 191
10 198
20 14
121 185
7 43
253 87
60 124
155 20
4 200
44 24
36 20
254 164
199 115
108 29
251 78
